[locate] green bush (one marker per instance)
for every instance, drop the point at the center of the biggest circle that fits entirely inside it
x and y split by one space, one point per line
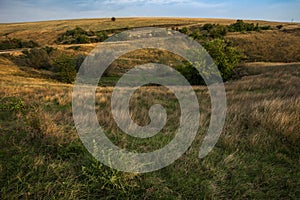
17 43
207 27
190 73
67 67
81 39
196 35
265 27
218 31
101 36
241 26
184 30
224 55
80 36
38 58
75 32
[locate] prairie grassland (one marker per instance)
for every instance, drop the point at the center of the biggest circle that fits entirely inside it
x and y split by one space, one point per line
47 32
269 46
257 156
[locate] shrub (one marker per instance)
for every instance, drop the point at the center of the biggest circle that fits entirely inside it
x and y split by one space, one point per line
265 27
74 36
75 32
81 39
101 36
37 58
80 36
241 26
218 31
190 73
279 27
49 50
17 43
196 35
113 19
224 55
207 27
184 30
67 66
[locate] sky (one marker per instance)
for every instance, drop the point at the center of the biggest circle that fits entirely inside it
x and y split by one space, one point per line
41 10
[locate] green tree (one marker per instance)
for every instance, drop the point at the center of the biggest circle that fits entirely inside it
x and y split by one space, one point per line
224 55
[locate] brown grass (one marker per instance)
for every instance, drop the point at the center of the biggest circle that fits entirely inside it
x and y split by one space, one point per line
269 46
47 32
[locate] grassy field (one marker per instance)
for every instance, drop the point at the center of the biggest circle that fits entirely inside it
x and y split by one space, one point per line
256 157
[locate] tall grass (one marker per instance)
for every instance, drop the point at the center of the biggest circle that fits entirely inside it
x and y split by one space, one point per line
257 155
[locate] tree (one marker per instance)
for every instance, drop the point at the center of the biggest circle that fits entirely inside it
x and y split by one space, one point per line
224 55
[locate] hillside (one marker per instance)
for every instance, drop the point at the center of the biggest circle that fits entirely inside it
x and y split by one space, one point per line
256 157
275 45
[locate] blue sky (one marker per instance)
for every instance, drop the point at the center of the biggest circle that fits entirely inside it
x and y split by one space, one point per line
32 10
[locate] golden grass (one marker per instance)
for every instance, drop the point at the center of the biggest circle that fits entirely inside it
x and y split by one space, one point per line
46 32
268 46
261 132
267 97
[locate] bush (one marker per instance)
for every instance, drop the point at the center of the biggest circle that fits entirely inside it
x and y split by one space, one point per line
75 32
196 35
101 36
67 66
38 58
279 27
265 27
241 26
207 27
81 39
190 73
113 19
17 43
184 30
224 55
218 31
80 36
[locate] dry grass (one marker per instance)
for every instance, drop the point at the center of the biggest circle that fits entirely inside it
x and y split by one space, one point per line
47 32
257 154
269 46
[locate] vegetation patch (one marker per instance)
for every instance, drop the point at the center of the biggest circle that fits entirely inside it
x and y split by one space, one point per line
17 44
80 36
213 31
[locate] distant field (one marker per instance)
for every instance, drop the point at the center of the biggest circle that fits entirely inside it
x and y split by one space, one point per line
47 32
274 46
